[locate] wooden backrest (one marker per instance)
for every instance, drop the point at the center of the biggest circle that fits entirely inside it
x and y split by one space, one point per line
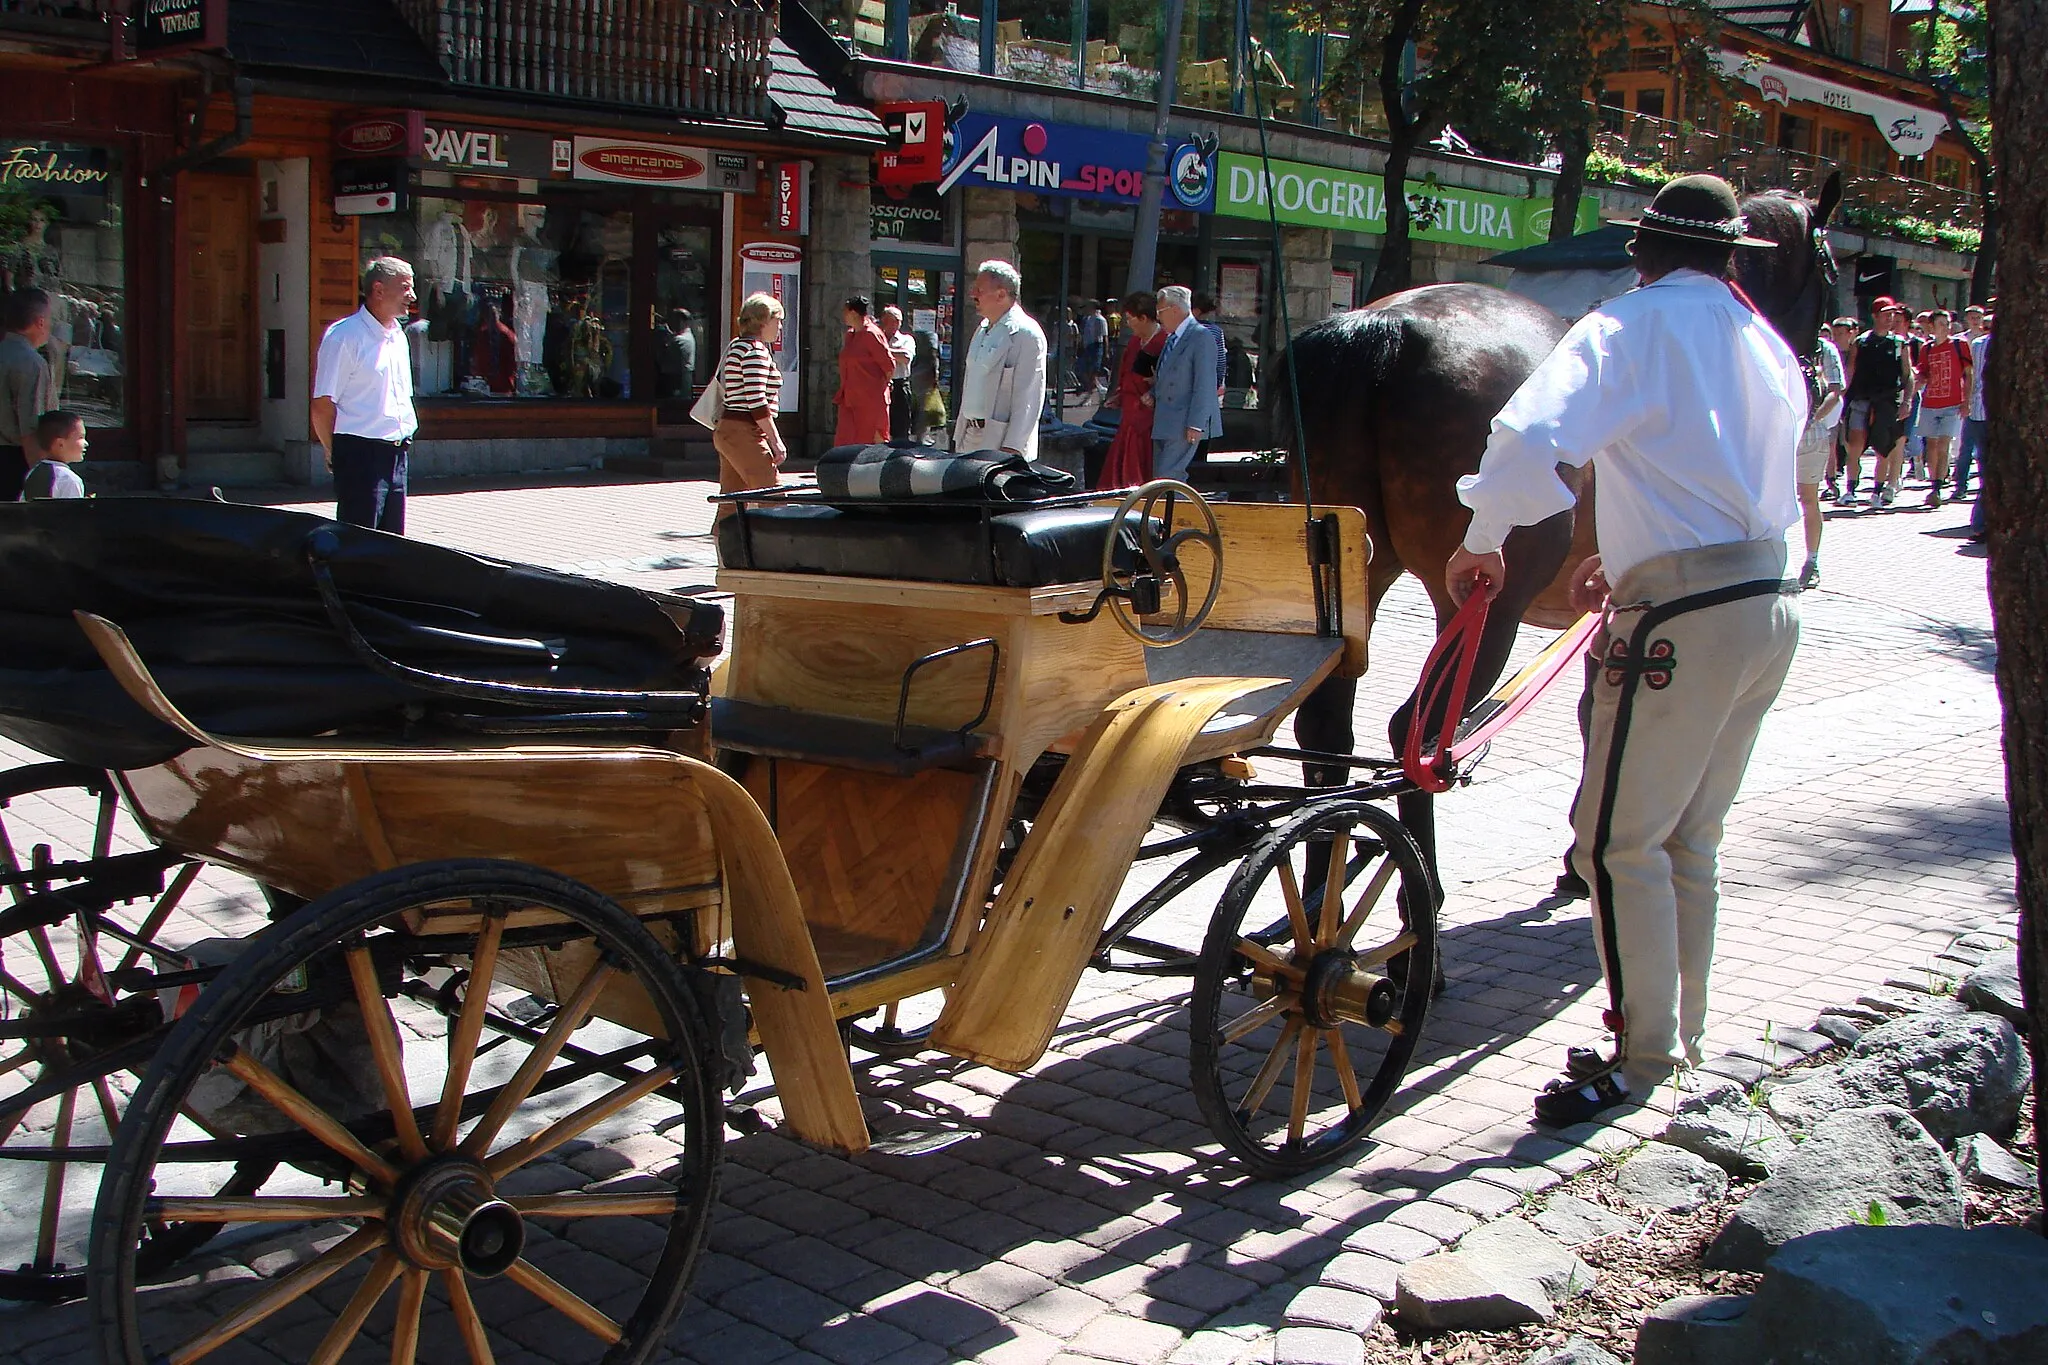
1266 581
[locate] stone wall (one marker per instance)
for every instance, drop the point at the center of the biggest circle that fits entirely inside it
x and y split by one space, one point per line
1305 252
989 226
836 266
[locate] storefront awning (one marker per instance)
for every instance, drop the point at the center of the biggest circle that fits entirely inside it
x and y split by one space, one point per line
1909 129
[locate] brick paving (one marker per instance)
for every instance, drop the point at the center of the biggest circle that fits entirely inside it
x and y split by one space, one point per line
1087 1217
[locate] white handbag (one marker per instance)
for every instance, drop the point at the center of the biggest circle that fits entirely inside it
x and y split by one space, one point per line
710 405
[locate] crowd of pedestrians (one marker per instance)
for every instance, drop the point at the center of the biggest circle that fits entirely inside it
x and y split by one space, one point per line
1908 393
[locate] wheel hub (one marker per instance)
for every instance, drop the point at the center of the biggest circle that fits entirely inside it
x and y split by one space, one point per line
1336 990
445 1214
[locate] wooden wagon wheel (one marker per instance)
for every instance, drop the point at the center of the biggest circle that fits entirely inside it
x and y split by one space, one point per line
73 1033
422 1106
1309 1001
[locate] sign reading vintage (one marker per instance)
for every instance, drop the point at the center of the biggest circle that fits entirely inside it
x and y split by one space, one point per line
618 161
1060 158
1332 197
166 26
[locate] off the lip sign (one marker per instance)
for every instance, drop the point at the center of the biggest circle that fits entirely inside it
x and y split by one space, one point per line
638 163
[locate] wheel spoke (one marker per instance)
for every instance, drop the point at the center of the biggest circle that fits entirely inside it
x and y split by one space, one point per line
292 1287
1297 916
405 1332
108 1109
261 1208
1250 1020
335 1344
175 892
467 1324
536 1282
20 988
594 1205
469 1027
1333 888
1368 899
17 1061
1262 1084
386 1051
53 1183
12 1119
307 1114
1266 958
568 1017
1340 1058
1401 943
570 1125
1304 1084
47 952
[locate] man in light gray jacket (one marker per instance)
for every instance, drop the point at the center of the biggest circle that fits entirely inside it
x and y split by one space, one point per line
1185 408
1003 390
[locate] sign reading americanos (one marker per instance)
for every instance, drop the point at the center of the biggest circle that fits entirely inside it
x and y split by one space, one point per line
1329 197
619 161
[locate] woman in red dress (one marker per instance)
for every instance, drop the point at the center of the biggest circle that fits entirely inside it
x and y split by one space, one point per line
1129 462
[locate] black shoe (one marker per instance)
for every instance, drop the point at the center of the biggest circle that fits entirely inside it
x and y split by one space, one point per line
1571 885
1576 1099
1584 1063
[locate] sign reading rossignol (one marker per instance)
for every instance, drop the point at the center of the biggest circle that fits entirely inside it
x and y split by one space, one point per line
1326 197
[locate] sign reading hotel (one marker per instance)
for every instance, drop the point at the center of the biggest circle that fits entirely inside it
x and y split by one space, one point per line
1036 157
1907 129
661 164
1327 197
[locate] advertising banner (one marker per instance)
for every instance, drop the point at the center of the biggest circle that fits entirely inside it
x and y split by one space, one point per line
663 165
916 152
1327 197
790 211
1907 129
777 270
1085 163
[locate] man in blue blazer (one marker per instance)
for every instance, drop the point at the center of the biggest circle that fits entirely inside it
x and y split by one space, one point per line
1186 408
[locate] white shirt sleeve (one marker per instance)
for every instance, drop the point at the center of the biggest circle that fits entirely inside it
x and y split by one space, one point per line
336 364
1579 401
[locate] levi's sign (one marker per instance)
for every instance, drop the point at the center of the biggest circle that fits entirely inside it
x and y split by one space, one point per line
1037 157
1329 197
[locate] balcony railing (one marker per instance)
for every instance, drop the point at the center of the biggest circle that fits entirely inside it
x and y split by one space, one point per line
1671 148
82 25
677 56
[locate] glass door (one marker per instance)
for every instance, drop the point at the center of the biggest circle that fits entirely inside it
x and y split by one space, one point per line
682 316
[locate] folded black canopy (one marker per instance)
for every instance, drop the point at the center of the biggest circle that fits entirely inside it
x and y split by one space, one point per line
225 605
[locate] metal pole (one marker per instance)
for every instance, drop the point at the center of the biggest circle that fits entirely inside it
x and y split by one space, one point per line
1145 244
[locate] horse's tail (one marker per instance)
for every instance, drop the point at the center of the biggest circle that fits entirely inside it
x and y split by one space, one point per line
1336 368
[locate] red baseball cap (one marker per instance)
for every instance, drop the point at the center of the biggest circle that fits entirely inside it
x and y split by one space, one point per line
1886 303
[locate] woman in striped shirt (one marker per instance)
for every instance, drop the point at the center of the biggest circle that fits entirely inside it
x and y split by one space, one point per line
749 447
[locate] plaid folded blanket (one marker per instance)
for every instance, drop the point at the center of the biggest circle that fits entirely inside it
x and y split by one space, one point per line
889 472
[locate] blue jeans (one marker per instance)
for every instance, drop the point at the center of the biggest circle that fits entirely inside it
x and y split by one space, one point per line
1967 449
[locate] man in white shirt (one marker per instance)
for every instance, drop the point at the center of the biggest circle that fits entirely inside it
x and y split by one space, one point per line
904 348
362 401
1002 392
1694 409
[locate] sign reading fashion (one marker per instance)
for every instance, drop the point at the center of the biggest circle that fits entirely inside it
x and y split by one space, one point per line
166 26
1329 197
663 164
1059 158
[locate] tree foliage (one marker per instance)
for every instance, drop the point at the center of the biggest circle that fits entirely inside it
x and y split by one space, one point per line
1952 47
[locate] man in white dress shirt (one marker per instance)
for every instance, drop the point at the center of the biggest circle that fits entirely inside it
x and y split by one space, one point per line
904 348
1003 390
1693 408
362 400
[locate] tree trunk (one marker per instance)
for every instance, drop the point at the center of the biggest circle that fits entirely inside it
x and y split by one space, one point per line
1574 145
1396 268
1983 276
2016 485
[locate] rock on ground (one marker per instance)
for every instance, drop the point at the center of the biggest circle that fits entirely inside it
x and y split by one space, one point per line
1850 1162
1575 1221
1839 1027
1575 1351
1661 1176
1451 1290
1959 1074
1513 1246
1904 1296
1720 1124
1700 1329
1984 1163
1995 989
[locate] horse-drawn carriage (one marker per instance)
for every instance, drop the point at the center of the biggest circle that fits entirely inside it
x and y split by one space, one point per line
535 874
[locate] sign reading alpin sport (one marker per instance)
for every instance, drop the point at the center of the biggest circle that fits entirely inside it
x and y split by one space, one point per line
1329 197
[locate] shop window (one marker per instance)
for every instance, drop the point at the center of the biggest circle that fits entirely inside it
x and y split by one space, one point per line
1874 158
1649 59
521 299
1795 134
1849 32
61 232
1834 145
1613 110
1650 103
1746 125
1949 171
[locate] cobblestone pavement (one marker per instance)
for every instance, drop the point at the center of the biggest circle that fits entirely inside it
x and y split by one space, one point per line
1087 1216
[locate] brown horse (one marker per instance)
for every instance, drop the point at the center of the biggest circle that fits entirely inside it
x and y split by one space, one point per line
1396 402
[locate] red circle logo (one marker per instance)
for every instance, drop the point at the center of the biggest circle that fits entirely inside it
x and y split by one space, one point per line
642 163
1034 140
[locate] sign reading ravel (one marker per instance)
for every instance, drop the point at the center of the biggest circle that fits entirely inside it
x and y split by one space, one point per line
1327 197
434 142
1060 158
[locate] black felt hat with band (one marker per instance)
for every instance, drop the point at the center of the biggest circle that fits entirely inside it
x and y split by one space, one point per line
1699 208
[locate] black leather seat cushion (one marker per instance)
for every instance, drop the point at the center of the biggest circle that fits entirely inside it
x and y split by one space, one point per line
1024 549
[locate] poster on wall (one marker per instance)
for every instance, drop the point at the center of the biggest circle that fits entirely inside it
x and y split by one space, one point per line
1238 296
1343 291
776 269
